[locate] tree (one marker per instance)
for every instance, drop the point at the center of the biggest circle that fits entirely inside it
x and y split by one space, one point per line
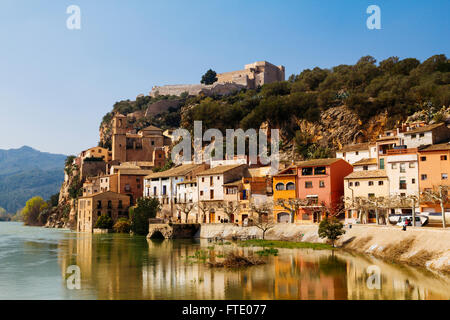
262 216
439 195
186 208
32 209
331 228
122 226
204 207
146 208
230 208
209 77
292 205
104 222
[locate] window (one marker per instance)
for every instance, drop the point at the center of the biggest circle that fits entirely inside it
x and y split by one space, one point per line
444 176
371 195
109 204
307 171
412 164
350 184
127 187
279 186
370 183
211 194
120 204
154 191
99 204
357 153
99 213
365 168
380 183
357 184
422 135
381 164
153 143
402 167
413 181
320 170
423 158
394 166
201 193
308 184
218 177
203 179
423 177
443 157
313 200
402 194
413 136
321 184
164 190
402 185
290 186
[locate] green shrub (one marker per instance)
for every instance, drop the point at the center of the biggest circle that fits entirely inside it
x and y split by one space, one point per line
104 222
146 208
122 226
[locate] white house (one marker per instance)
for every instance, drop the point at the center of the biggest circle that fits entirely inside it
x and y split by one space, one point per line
403 172
355 152
426 135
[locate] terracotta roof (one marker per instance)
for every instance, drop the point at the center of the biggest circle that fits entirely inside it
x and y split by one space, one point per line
367 174
317 162
425 128
104 193
150 128
235 183
365 161
284 172
134 172
436 147
220 169
356 147
173 172
388 138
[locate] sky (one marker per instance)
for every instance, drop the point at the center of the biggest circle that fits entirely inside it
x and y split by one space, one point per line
56 84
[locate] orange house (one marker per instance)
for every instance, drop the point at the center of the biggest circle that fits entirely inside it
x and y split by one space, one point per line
434 170
283 188
321 183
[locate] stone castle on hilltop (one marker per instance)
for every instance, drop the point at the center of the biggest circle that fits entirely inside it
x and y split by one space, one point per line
253 75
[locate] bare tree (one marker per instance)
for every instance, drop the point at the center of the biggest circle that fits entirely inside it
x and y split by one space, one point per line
186 208
292 205
204 208
439 195
230 208
262 216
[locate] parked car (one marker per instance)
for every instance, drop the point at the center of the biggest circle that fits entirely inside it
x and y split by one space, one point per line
407 221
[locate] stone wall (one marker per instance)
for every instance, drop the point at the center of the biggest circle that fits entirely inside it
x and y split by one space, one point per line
196 89
427 247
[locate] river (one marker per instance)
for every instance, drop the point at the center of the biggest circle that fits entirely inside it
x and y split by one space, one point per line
34 264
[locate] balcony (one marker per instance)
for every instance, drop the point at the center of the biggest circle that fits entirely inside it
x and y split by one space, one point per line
400 151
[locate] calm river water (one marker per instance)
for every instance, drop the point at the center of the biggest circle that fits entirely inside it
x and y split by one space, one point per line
34 261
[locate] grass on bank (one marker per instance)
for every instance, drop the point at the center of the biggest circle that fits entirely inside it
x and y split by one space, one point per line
284 244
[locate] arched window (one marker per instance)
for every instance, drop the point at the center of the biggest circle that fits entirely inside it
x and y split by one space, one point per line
290 186
279 186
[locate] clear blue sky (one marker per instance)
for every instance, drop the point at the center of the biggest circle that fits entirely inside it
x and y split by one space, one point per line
56 84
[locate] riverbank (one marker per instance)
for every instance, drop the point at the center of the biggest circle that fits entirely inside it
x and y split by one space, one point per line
423 247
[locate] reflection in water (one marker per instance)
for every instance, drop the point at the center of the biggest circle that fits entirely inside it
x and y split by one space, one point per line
34 263
124 267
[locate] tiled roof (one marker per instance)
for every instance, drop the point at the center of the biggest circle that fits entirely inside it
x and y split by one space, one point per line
220 169
365 162
435 147
135 172
233 183
367 174
425 128
356 147
173 172
317 162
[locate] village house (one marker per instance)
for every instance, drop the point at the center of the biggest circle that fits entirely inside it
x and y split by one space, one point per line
163 185
284 188
97 152
365 164
434 170
364 184
356 152
91 207
211 187
426 135
402 169
321 183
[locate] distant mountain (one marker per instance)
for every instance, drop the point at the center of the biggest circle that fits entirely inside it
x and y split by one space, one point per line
25 173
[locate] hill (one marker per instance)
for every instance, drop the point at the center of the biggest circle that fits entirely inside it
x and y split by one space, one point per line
26 172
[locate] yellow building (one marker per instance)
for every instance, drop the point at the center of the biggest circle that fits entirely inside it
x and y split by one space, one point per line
284 187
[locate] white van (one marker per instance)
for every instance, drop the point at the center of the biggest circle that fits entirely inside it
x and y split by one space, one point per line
407 220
